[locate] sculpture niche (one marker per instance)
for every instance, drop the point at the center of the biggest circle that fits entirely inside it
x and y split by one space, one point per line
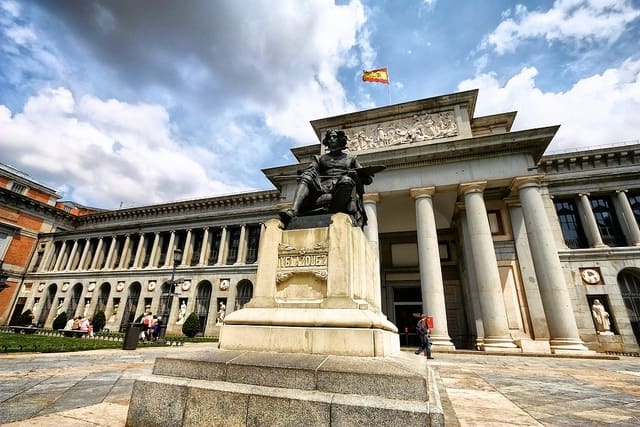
333 182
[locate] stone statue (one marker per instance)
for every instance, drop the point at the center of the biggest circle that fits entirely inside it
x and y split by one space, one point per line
221 313
114 312
182 314
601 318
333 182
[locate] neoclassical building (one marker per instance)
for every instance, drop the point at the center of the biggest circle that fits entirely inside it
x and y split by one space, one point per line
506 248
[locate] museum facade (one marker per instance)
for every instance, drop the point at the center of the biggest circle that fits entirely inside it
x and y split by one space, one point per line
507 249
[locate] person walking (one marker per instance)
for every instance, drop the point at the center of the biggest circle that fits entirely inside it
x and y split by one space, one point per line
424 334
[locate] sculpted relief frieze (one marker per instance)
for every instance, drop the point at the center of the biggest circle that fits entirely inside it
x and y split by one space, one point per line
418 128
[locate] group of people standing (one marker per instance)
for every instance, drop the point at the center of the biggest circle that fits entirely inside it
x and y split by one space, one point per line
150 327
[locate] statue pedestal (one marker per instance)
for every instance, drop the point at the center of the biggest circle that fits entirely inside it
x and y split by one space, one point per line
287 358
317 291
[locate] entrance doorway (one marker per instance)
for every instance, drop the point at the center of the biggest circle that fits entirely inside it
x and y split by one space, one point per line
407 301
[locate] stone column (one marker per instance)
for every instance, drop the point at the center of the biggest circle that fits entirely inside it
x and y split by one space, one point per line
431 285
222 252
370 201
589 222
629 217
188 250
96 255
168 258
242 246
204 249
551 282
112 249
137 259
153 263
494 315
46 258
56 266
82 265
72 254
371 232
124 257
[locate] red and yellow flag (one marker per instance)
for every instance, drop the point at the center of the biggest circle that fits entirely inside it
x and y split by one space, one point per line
377 76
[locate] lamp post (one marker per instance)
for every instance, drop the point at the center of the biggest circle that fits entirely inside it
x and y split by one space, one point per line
3 277
177 259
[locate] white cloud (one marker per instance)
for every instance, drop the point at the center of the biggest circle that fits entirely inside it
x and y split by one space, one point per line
577 21
104 152
598 110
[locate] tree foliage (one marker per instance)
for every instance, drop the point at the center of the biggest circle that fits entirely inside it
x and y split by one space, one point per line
191 326
60 321
99 320
25 318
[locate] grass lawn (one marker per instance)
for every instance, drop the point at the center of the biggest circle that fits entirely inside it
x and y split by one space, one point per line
11 343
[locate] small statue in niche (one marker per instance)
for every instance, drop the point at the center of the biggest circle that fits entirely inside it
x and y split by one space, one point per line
601 318
222 311
182 314
333 182
114 312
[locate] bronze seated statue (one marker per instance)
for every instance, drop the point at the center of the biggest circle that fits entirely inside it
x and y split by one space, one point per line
333 182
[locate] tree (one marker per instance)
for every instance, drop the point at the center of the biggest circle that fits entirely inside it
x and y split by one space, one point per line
25 319
99 320
60 321
191 326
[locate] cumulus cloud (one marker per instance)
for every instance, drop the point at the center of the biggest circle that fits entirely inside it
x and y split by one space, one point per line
599 110
578 21
105 152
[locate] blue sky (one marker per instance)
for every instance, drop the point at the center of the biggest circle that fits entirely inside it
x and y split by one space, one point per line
127 103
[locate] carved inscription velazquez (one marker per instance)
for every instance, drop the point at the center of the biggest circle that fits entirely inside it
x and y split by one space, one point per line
312 259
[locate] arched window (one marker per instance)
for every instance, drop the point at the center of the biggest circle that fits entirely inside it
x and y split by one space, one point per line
244 293
203 301
103 297
74 300
48 302
131 306
629 283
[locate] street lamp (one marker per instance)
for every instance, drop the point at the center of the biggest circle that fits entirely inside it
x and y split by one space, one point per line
177 259
3 277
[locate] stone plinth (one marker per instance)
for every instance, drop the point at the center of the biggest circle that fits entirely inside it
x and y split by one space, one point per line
258 388
317 291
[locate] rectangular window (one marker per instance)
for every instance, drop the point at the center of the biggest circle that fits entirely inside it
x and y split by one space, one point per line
570 224
234 244
252 244
18 188
495 223
607 221
634 201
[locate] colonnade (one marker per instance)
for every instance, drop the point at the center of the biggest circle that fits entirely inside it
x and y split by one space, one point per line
225 245
590 223
484 265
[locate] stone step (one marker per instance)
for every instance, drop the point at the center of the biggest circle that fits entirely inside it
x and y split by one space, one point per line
171 401
402 377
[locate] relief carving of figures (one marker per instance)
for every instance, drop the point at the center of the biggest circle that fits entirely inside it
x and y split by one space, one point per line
420 127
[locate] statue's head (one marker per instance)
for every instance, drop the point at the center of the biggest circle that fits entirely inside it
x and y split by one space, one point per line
334 139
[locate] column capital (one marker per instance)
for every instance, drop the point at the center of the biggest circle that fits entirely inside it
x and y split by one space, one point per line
472 187
371 197
584 194
622 191
520 182
416 193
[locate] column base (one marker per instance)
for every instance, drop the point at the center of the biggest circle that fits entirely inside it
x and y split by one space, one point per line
498 344
569 346
442 342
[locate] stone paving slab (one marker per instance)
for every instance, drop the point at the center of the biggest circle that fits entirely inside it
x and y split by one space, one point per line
477 389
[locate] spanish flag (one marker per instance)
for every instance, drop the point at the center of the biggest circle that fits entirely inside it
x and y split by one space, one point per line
378 76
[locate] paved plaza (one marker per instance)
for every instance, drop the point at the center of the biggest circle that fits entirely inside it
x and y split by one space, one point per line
93 388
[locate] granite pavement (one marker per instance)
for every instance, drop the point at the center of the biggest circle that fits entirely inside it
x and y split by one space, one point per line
93 388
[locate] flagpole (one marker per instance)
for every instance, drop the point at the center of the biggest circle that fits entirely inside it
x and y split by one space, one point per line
389 86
